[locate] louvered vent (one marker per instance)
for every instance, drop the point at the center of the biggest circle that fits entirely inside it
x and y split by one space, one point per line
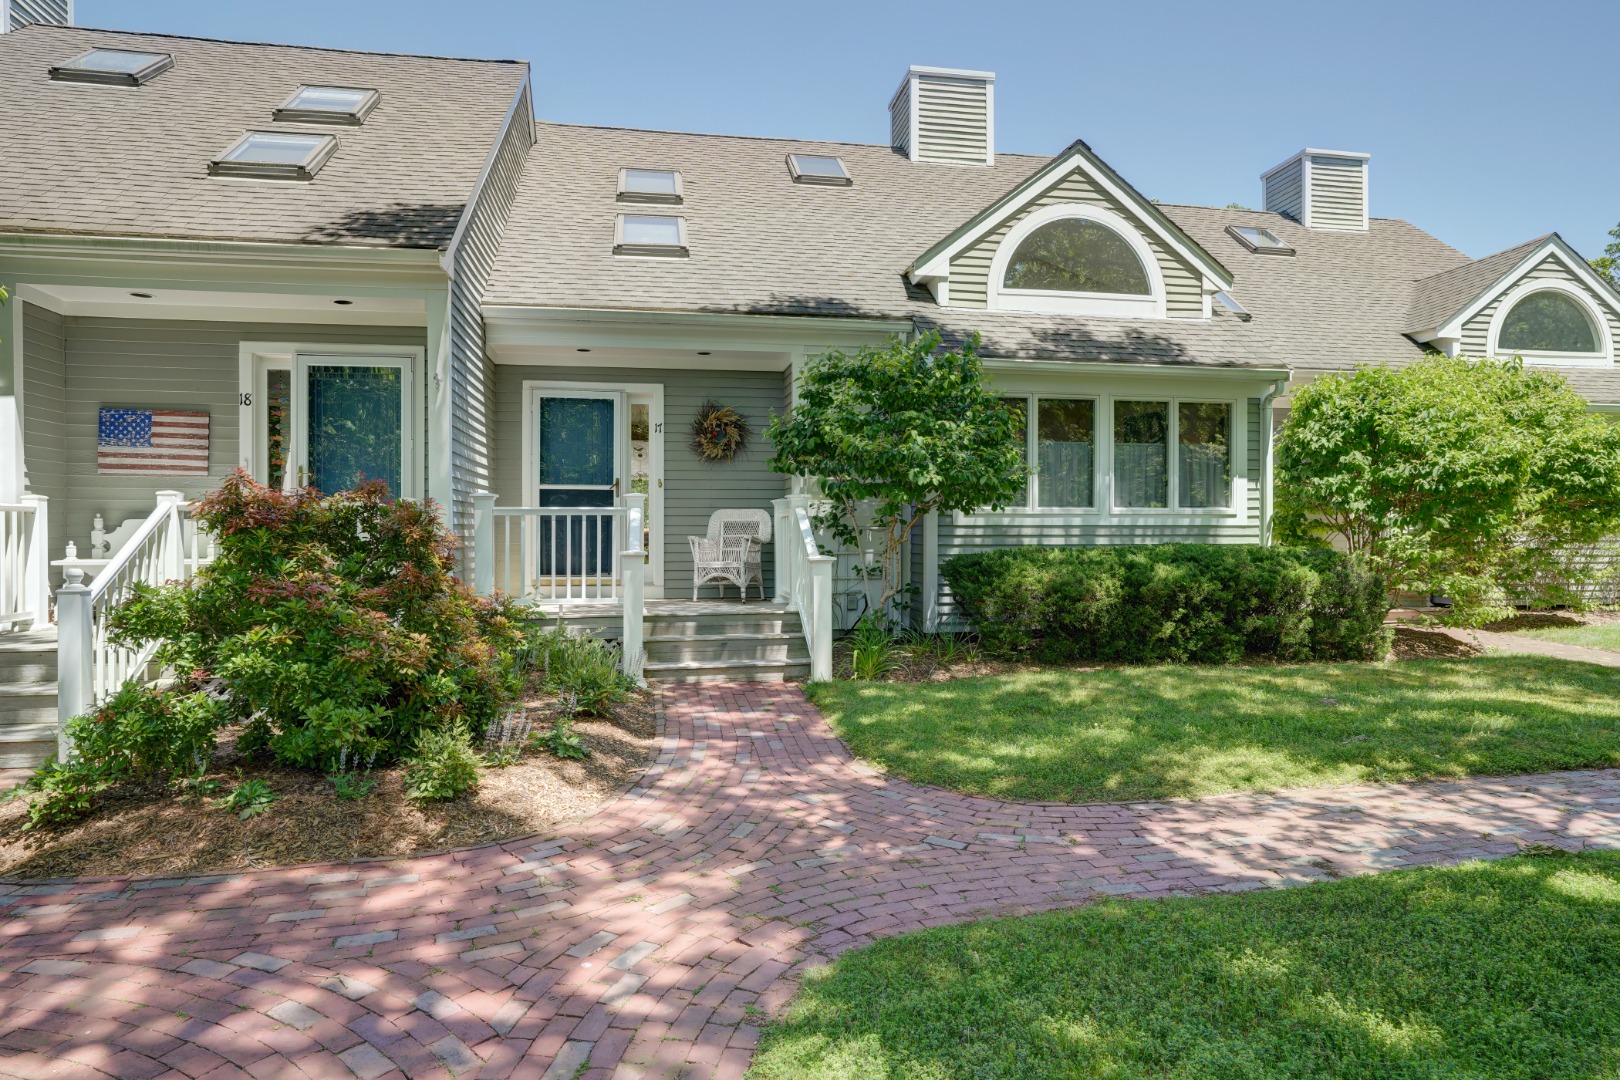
16 14
1320 189
945 115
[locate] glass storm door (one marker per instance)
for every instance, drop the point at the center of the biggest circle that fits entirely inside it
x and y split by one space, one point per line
580 461
348 421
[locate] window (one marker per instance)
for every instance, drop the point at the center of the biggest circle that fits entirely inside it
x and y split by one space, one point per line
268 155
1548 321
1062 443
818 169
650 234
1077 255
328 105
1142 454
1204 458
650 185
118 67
1260 241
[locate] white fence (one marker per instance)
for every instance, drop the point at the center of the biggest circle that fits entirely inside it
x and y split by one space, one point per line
90 666
25 582
804 578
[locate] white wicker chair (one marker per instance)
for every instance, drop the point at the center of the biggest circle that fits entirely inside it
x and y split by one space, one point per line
731 551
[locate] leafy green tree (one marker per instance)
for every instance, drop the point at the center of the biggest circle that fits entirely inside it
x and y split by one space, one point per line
1451 475
1608 264
892 433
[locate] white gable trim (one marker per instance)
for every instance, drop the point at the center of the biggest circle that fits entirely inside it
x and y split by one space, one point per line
1603 358
1151 306
938 267
1600 290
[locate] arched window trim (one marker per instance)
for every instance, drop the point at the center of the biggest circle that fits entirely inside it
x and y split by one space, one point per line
1603 358
1072 303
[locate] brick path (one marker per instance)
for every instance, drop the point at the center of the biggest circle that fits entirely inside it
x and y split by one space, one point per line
653 940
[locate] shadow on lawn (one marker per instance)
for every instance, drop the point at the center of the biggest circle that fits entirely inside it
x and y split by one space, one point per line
1147 733
1485 970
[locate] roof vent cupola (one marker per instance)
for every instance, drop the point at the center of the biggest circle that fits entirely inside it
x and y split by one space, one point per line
1320 189
16 14
945 115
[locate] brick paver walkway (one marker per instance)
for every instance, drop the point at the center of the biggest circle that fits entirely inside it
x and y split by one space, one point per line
653 940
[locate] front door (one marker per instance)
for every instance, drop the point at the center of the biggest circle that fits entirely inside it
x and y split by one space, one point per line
580 462
332 422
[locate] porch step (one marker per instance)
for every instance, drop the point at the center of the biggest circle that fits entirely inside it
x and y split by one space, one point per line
27 698
776 645
727 671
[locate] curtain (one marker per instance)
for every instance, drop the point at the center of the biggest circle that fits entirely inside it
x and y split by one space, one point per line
1066 474
1141 474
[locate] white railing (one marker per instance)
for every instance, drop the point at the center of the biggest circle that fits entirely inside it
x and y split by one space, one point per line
566 555
90 666
804 578
25 582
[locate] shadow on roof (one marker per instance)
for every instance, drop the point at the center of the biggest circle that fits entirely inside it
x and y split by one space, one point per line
399 225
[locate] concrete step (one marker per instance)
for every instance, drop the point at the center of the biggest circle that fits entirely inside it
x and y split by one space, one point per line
727 670
710 625
727 647
27 724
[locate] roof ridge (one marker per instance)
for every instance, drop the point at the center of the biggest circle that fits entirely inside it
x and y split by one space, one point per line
754 138
1474 263
49 28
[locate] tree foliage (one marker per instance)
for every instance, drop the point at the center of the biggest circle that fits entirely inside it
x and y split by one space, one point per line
1452 475
893 433
1608 264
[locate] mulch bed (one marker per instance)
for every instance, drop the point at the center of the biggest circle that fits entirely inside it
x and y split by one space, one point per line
164 834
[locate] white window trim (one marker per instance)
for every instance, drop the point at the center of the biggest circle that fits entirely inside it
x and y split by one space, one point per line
1604 358
650 251
1108 305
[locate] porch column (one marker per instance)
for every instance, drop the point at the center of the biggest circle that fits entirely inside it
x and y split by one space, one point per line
73 649
483 542
785 533
37 570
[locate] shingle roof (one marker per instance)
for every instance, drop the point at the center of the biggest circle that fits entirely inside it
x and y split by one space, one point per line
1437 298
761 244
106 160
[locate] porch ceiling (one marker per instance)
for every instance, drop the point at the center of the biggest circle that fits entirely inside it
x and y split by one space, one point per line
137 300
596 356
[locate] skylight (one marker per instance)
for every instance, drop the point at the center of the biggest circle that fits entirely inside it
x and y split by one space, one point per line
118 67
818 169
268 155
649 185
650 234
328 105
1258 240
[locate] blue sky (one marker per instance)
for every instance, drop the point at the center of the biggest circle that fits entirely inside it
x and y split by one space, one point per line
1488 122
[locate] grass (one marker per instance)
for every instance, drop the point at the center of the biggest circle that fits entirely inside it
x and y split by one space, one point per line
1157 732
1602 636
1487 970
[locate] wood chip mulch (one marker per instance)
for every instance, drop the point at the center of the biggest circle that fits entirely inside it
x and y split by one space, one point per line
164 834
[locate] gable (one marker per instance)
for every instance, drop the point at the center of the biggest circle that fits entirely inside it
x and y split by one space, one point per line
1475 336
970 267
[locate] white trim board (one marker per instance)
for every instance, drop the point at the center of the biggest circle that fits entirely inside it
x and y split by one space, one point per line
1594 315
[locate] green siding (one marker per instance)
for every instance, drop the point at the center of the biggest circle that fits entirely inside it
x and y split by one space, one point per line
970 269
693 489
1476 331
44 445
1285 191
1338 193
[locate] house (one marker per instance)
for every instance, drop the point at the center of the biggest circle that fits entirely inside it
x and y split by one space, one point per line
340 264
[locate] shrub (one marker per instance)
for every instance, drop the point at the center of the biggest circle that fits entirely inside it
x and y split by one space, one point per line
442 765
249 798
1173 603
582 670
334 624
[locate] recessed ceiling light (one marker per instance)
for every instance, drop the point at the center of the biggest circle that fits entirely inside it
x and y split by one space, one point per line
705 354
343 303
142 295
582 350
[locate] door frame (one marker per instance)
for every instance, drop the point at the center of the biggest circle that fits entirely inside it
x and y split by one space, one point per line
255 358
650 394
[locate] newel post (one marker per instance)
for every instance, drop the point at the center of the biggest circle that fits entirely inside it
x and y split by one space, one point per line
37 570
74 645
483 542
785 533
174 550
632 641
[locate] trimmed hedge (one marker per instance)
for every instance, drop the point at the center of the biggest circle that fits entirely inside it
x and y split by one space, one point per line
1173 603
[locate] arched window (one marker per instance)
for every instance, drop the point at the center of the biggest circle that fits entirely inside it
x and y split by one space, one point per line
1077 255
1548 321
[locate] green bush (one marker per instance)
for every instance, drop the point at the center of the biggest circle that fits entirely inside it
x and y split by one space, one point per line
583 671
1173 603
443 764
333 623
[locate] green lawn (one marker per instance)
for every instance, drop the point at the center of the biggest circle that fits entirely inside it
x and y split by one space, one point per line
1154 732
1606 636
1488 970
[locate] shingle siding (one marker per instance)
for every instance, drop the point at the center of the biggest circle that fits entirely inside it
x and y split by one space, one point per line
970 270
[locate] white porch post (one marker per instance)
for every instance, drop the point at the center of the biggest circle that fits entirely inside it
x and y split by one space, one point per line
174 553
73 648
37 571
783 534
634 560
815 613
483 542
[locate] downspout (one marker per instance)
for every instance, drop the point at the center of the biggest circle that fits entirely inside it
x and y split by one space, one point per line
1266 433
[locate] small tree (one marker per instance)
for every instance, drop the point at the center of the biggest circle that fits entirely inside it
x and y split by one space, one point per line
1451 475
1608 264
910 427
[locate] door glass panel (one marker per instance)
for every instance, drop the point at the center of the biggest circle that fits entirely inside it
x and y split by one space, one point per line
277 424
355 416
576 441
1141 453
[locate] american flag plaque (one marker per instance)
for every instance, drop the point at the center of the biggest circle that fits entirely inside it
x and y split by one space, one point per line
152 441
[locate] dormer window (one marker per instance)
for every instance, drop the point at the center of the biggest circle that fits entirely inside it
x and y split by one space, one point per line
1549 323
818 169
271 155
656 235
1078 260
116 67
650 186
328 105
1258 240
